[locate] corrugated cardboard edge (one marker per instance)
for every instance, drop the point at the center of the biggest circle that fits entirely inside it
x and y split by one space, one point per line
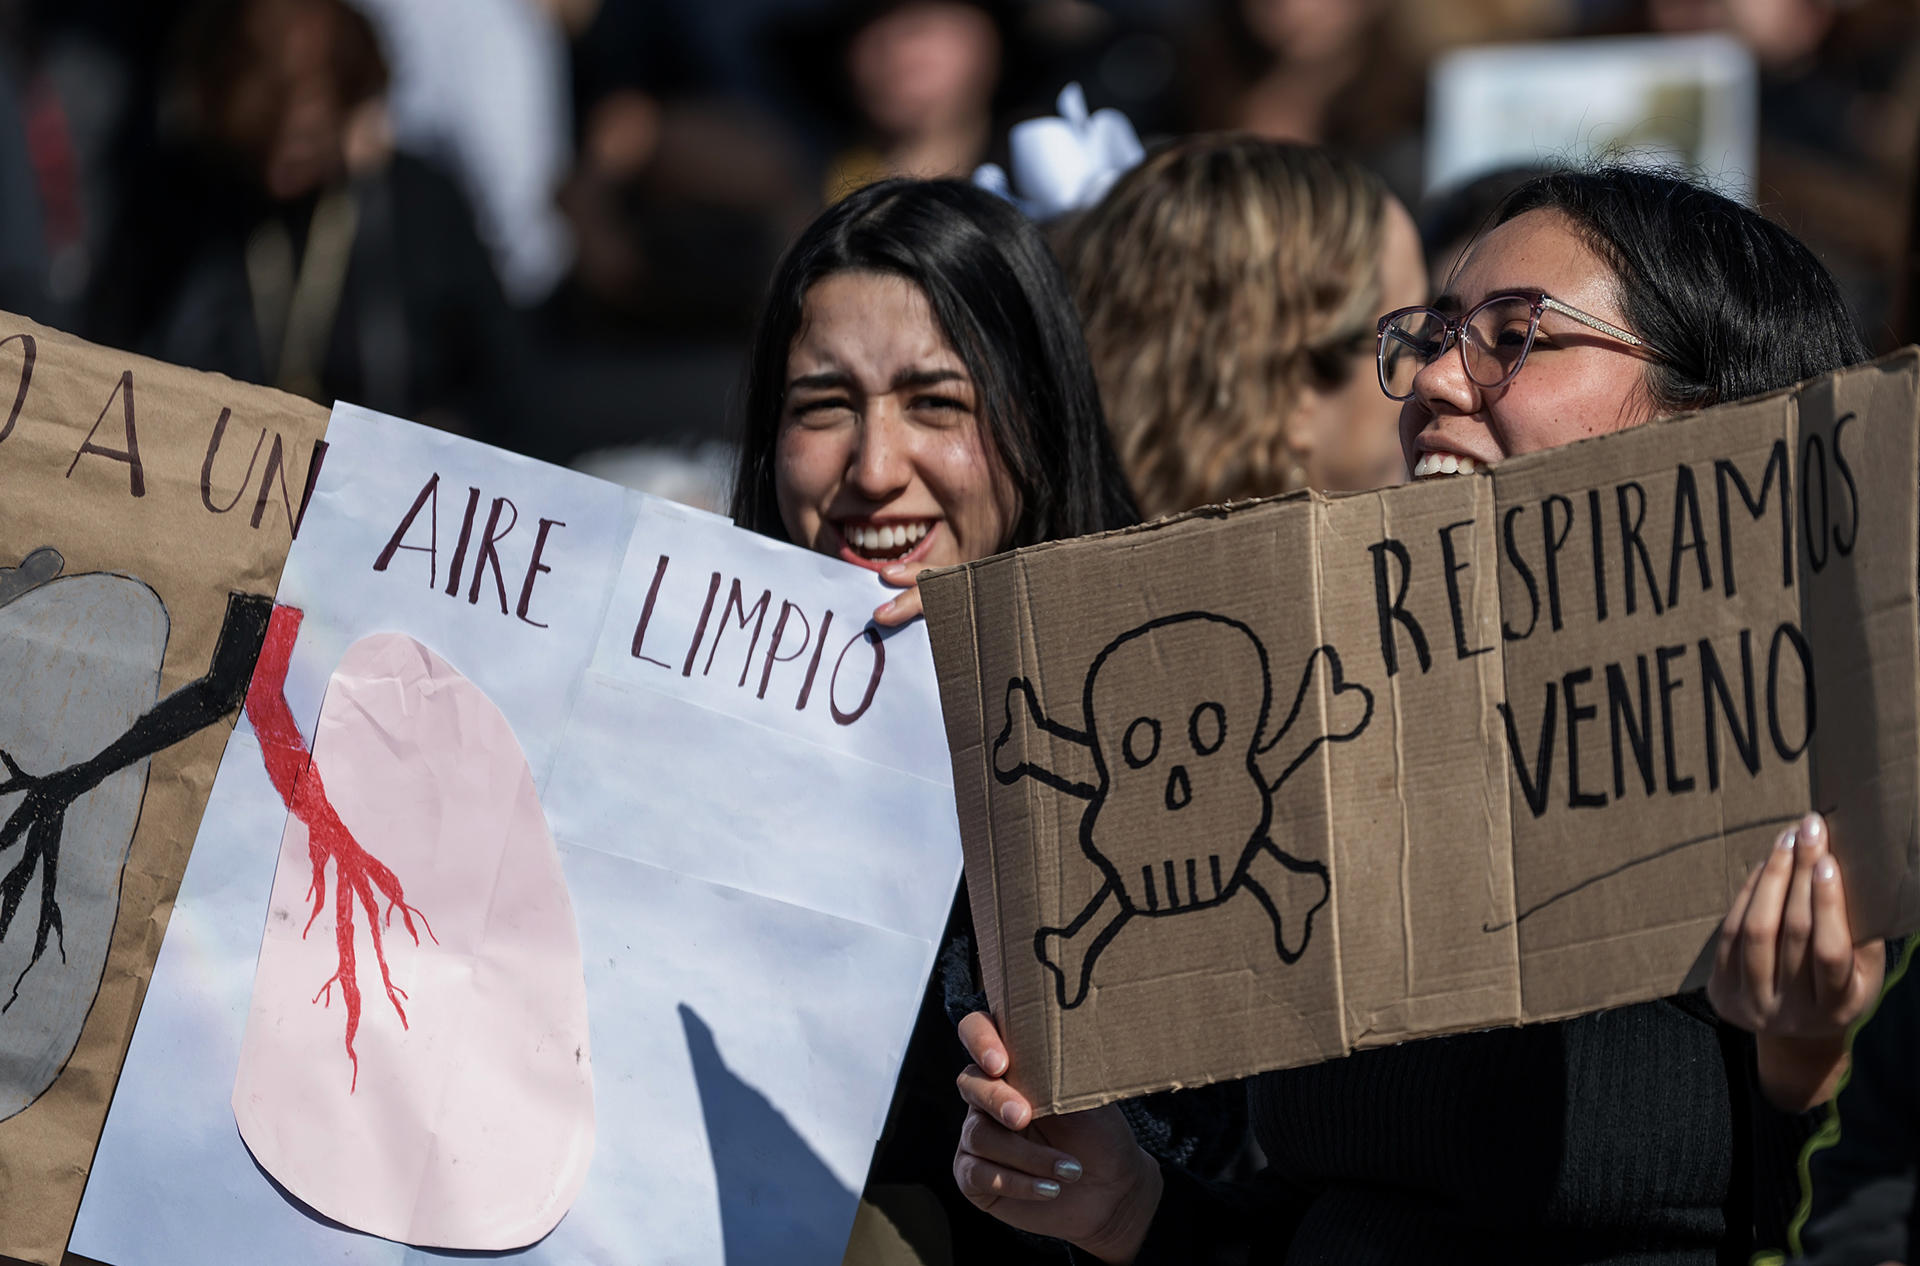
949 595
1328 850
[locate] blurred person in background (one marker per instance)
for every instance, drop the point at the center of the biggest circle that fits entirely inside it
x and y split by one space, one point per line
71 72
283 240
1230 286
23 235
1335 72
1839 117
910 87
480 87
681 199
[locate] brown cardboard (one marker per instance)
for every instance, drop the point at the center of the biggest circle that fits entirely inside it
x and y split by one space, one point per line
189 484
1449 841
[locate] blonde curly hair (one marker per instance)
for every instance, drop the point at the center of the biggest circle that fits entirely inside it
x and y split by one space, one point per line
1216 280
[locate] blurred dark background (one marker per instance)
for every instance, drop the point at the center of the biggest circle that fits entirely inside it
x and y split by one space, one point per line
546 223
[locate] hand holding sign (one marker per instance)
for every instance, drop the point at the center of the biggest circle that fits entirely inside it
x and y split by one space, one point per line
1786 967
1078 1177
900 608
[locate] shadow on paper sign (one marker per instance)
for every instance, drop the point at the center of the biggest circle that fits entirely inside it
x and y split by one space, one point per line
778 1201
312 1214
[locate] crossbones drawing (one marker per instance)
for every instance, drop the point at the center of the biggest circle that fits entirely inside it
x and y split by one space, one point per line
1175 715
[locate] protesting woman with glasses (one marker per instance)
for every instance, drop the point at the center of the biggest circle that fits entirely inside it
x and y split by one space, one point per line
1656 1133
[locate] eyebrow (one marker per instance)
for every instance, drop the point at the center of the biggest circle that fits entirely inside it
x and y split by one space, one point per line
825 379
906 378
1450 304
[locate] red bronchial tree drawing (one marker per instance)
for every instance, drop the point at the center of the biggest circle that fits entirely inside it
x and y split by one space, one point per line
358 875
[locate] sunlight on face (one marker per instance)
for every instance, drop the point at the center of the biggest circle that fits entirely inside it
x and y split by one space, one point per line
1575 382
881 456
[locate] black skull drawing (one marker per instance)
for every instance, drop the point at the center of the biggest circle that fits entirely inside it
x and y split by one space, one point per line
1176 727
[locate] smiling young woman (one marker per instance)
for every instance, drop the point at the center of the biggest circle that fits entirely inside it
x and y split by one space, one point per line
919 396
1658 1133
920 393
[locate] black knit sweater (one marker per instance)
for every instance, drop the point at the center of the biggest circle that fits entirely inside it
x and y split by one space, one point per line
1636 1135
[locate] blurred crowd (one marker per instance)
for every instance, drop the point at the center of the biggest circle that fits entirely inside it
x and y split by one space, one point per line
547 223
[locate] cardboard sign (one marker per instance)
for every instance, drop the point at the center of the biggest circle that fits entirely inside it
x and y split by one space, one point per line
145 512
580 760
1254 787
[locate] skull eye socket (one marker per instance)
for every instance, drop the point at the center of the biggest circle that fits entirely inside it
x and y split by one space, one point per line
1141 742
1207 728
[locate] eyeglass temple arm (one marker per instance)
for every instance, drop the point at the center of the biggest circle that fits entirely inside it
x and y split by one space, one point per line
1592 321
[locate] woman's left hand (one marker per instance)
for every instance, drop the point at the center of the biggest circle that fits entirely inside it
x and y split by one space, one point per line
1787 969
901 607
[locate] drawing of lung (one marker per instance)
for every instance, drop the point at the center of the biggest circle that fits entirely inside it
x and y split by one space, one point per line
1159 748
455 1110
79 665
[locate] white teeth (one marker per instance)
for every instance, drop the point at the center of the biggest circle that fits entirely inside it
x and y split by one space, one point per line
1431 464
884 538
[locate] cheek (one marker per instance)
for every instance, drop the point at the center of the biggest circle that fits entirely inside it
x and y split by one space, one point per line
976 501
1612 398
1412 419
804 463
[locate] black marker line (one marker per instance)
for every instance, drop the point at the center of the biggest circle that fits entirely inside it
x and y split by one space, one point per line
1641 861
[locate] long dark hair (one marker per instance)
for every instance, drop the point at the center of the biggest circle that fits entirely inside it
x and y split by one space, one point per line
1000 300
1736 305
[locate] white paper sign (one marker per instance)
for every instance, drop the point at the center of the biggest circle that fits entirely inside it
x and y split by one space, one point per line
749 794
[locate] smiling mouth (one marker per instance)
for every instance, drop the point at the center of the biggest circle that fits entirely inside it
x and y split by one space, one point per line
885 542
1439 465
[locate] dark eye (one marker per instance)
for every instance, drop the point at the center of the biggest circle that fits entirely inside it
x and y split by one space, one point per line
1207 728
1141 743
821 410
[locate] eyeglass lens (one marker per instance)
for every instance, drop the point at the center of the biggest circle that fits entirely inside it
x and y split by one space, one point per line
1494 340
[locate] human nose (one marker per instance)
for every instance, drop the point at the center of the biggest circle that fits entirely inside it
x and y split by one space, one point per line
881 462
1442 385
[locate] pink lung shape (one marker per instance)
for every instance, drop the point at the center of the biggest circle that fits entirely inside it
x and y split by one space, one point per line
470 1124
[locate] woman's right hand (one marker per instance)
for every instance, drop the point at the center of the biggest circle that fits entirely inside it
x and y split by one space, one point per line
1078 1177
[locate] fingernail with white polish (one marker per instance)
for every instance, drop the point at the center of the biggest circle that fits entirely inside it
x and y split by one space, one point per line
1787 839
1824 870
1067 1170
1046 1189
